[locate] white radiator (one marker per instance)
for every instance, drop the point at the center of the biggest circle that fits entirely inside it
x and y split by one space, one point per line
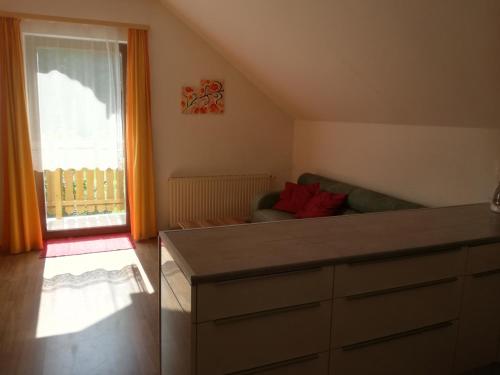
214 197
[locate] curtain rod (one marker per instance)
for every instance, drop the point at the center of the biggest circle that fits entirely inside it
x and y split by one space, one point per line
73 20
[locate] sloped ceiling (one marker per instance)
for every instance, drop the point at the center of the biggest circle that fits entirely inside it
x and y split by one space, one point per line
426 62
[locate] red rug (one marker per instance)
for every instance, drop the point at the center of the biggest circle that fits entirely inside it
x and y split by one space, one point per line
86 245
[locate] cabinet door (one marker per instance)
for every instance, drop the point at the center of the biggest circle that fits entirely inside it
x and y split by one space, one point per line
252 294
391 312
364 277
253 340
427 351
479 333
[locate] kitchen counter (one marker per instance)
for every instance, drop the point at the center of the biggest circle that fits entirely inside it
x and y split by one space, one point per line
219 253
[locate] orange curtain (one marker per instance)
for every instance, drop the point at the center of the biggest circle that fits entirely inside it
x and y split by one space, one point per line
21 221
139 145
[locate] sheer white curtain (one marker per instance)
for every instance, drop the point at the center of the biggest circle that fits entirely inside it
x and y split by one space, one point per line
75 82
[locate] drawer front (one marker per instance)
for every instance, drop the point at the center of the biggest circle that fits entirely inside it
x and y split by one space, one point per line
479 326
484 258
249 341
359 319
315 364
362 277
248 295
425 352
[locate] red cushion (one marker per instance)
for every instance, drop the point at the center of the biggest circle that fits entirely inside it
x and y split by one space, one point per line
322 204
295 197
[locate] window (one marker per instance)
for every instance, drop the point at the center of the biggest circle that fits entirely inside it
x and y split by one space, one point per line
75 85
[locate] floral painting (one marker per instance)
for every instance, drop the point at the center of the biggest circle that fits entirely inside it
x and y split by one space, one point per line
189 101
208 98
211 96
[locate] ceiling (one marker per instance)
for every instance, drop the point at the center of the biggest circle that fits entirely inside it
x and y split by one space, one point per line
426 62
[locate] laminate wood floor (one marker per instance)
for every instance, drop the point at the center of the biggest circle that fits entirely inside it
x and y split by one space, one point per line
82 314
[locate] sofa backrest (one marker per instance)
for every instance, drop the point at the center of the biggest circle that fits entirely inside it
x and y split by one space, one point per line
359 199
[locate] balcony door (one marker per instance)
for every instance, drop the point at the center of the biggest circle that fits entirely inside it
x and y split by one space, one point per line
75 84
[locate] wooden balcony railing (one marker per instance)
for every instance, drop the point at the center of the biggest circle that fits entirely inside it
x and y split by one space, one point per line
84 192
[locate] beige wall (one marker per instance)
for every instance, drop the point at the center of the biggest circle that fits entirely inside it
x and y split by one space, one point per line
252 136
435 166
417 62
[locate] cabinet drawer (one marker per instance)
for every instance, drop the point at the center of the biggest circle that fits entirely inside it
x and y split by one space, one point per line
253 340
357 319
316 364
483 258
362 277
248 295
422 352
479 327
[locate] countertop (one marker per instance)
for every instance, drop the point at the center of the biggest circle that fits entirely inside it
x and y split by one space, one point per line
221 253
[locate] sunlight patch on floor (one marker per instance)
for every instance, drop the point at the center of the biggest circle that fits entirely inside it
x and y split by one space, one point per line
81 290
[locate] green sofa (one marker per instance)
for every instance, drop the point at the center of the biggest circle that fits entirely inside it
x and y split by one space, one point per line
359 200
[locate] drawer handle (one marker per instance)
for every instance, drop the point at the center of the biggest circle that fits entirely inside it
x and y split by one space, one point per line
397 336
486 273
402 288
391 257
267 312
287 363
270 276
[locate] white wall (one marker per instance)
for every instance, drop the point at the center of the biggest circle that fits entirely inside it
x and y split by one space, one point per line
252 136
435 166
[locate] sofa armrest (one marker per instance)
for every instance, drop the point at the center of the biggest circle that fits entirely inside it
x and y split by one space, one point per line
265 200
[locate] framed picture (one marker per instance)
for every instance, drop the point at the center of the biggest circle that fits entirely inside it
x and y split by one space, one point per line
208 98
